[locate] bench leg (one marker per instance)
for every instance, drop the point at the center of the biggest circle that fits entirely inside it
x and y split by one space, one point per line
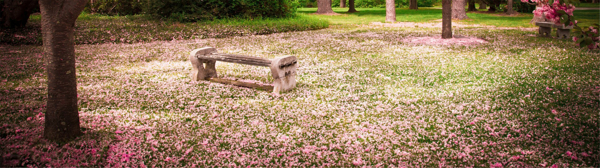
563 33
202 69
545 31
283 70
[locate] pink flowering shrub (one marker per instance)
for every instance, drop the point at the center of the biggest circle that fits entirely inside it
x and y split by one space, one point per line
557 12
587 36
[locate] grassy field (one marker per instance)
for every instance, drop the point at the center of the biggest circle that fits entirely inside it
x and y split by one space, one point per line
364 98
588 5
368 15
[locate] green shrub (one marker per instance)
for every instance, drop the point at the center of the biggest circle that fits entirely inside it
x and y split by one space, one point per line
193 10
114 7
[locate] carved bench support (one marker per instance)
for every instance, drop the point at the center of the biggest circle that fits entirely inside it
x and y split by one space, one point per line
283 69
545 28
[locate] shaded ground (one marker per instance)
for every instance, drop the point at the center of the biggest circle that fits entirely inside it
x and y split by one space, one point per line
364 98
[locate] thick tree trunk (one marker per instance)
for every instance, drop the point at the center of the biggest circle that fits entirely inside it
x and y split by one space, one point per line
458 9
412 4
446 19
482 4
471 6
509 7
58 21
342 3
15 13
351 8
324 7
390 11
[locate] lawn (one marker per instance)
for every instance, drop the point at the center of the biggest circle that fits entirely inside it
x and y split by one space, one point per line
363 98
368 15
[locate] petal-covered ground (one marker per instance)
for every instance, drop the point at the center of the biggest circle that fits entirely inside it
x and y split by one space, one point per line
364 98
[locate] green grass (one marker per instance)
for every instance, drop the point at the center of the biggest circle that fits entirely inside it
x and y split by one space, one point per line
588 5
368 15
94 29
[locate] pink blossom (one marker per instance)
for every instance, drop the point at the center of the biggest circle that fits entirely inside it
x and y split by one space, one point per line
554 112
569 153
496 165
357 162
118 132
575 38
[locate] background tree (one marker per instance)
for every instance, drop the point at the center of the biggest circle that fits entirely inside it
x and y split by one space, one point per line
390 11
412 4
482 4
351 8
342 3
58 21
509 7
458 9
15 13
471 6
446 19
324 7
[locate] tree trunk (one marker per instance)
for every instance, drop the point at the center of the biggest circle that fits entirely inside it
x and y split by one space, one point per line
482 4
58 21
509 7
351 8
15 13
324 7
446 19
342 3
458 9
390 11
412 4
471 6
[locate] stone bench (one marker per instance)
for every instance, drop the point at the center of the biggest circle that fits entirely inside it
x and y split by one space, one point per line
563 32
283 69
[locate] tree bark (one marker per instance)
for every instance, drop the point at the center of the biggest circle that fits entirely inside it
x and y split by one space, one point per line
482 4
324 7
446 19
351 8
342 3
509 7
390 11
412 4
458 9
15 13
58 21
471 6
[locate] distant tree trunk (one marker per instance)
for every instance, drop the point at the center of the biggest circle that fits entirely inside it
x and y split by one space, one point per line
351 6
58 21
482 4
342 3
471 6
412 4
390 11
509 7
458 9
324 7
15 13
446 19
